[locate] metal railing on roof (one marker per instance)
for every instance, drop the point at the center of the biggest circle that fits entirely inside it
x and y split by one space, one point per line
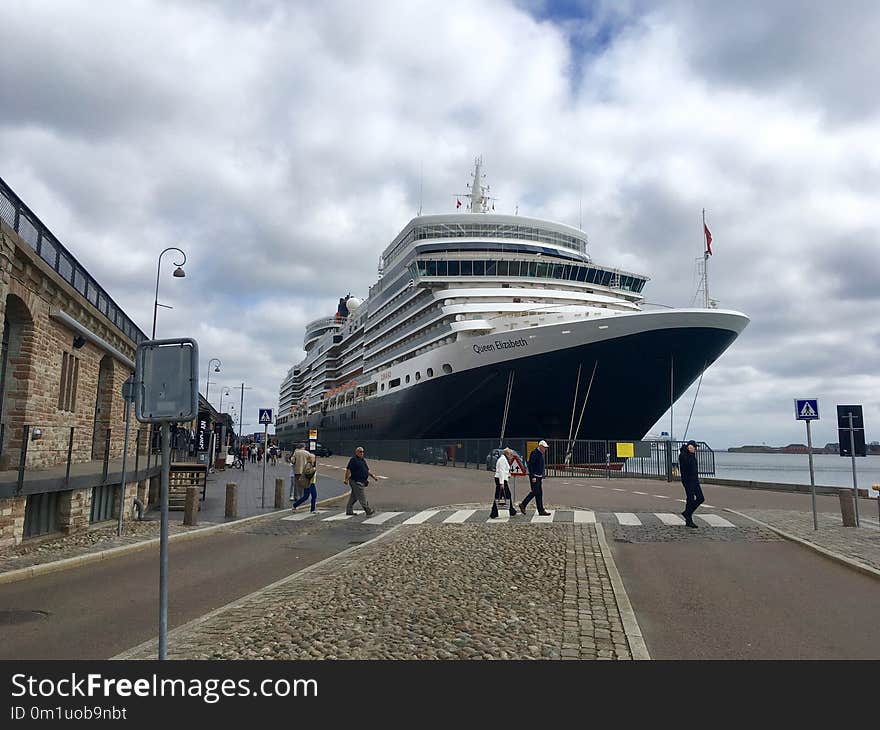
32 230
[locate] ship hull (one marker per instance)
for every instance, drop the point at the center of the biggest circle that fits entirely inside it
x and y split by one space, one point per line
637 375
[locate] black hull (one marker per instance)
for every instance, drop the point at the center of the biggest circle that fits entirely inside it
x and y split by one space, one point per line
630 392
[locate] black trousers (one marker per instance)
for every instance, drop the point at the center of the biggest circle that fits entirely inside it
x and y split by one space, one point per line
694 498
537 494
502 491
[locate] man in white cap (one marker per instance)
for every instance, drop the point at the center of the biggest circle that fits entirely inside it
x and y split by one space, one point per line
536 476
502 491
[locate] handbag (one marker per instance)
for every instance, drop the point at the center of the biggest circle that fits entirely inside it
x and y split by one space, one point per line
309 470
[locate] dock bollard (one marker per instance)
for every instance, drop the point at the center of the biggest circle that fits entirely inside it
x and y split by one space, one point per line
231 499
279 493
847 509
191 507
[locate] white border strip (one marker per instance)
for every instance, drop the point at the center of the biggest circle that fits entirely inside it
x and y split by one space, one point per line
630 625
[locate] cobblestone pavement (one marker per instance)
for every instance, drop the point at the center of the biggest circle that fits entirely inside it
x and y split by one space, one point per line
433 591
857 543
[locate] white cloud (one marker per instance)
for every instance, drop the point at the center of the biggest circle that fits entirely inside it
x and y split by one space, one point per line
280 145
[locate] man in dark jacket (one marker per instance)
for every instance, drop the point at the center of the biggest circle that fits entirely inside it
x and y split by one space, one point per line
687 466
536 476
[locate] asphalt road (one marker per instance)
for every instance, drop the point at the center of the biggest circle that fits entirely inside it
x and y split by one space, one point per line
701 596
104 608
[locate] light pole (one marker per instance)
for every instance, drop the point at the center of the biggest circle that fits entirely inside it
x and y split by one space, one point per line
208 379
223 391
178 272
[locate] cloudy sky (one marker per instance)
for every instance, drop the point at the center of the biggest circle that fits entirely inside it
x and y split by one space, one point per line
281 145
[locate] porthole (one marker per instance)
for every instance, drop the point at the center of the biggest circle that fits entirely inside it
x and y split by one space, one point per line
447 368
383 386
430 372
418 376
407 378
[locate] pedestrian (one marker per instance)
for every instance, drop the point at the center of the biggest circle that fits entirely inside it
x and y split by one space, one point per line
536 477
357 475
244 455
502 491
252 450
310 470
690 480
298 481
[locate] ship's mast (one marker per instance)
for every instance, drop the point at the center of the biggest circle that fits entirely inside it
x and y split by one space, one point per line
479 193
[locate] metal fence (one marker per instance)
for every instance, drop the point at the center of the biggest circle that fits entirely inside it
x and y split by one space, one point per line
61 453
582 458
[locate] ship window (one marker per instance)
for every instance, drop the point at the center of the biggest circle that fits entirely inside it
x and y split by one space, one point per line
514 268
479 268
582 273
418 376
490 268
542 270
422 268
432 268
430 372
558 271
441 268
407 378
453 268
591 276
503 268
531 268
467 268
447 368
394 383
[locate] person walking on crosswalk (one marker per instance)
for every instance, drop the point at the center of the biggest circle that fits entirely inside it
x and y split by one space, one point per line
502 491
310 471
357 476
690 480
536 477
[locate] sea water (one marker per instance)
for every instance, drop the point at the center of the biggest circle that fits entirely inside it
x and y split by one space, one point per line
830 470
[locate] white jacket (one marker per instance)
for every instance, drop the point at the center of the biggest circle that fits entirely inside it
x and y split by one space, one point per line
502 469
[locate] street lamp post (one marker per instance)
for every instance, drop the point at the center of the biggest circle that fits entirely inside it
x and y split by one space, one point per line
178 272
208 379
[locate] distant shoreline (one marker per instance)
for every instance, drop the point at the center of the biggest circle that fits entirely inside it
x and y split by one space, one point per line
873 449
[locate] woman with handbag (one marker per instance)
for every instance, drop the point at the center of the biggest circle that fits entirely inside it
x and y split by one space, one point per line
310 471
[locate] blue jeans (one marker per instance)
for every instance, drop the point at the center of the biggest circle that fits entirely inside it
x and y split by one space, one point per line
310 491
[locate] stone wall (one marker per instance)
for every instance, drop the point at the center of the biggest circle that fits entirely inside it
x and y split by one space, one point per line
30 290
11 521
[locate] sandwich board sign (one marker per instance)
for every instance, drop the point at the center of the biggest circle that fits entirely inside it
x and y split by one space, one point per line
806 409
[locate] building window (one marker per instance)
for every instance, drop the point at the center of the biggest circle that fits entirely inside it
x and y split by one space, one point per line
41 514
69 380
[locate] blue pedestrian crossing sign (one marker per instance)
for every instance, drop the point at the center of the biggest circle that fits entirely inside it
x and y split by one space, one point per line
806 409
265 415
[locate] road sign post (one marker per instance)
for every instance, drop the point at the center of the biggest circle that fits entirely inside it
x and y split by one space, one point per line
166 390
807 409
265 419
851 430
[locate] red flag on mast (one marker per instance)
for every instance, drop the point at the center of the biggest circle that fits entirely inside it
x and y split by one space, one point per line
708 239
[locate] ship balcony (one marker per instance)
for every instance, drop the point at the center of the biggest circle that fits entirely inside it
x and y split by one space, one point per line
318 327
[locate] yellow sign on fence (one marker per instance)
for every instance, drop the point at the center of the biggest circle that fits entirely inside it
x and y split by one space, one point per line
624 449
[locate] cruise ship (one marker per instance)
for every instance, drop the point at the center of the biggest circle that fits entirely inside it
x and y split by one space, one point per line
480 322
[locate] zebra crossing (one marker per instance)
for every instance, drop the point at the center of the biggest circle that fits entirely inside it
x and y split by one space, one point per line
453 516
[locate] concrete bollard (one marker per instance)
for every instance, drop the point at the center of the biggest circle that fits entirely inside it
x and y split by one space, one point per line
279 493
191 508
231 499
847 509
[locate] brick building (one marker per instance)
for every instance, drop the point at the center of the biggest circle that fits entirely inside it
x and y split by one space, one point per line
67 350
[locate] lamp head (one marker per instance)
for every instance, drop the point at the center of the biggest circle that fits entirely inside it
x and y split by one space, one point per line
78 342
179 272
216 368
